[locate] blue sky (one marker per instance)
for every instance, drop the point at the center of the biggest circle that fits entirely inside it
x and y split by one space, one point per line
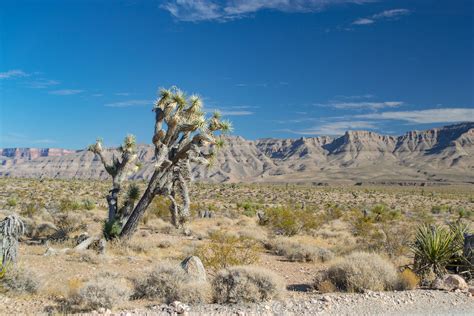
71 71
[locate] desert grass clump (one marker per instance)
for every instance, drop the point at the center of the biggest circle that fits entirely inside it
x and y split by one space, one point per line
224 250
168 283
361 271
297 252
408 280
101 292
18 280
246 284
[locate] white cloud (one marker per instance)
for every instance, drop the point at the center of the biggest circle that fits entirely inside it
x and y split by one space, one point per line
384 15
123 94
445 115
208 10
391 13
123 104
65 92
15 73
335 128
363 21
362 105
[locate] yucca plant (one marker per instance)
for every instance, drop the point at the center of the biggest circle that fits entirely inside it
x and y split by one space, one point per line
435 248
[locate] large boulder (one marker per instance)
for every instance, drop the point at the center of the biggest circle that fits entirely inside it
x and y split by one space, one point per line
194 268
450 282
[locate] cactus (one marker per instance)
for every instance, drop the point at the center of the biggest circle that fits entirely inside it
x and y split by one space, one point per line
187 132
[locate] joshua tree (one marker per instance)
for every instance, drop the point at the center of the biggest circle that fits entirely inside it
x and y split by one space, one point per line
188 137
11 229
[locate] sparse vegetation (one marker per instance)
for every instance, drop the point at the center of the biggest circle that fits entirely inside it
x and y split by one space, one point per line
19 280
380 221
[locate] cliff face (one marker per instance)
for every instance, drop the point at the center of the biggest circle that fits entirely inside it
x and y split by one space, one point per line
437 155
33 153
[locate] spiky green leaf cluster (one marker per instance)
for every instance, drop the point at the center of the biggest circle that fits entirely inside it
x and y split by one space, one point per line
434 248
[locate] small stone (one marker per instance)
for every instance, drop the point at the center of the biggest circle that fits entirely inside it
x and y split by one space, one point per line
450 282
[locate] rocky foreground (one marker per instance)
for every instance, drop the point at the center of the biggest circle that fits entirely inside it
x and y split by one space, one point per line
417 302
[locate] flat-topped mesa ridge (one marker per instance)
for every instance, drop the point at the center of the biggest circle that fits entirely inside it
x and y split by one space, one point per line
33 153
444 154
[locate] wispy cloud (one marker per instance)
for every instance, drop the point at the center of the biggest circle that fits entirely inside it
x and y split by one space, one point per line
66 92
237 110
128 103
42 83
334 128
384 15
236 113
445 115
19 139
362 105
209 10
124 94
15 73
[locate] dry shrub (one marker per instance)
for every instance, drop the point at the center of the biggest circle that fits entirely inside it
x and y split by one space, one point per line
19 281
168 283
104 291
326 286
361 271
225 250
295 251
408 280
245 284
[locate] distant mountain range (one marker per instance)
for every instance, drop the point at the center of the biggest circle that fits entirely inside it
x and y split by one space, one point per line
439 155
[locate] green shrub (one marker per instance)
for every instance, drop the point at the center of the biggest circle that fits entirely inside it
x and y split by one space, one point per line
69 205
289 222
88 204
12 202
224 250
112 229
246 284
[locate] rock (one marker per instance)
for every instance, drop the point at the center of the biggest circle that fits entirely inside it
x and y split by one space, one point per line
194 267
450 282
180 308
102 246
471 290
80 238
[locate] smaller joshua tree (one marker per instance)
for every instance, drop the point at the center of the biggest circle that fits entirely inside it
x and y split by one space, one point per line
189 137
11 229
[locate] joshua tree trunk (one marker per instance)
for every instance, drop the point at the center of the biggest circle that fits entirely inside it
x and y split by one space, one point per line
187 132
11 229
